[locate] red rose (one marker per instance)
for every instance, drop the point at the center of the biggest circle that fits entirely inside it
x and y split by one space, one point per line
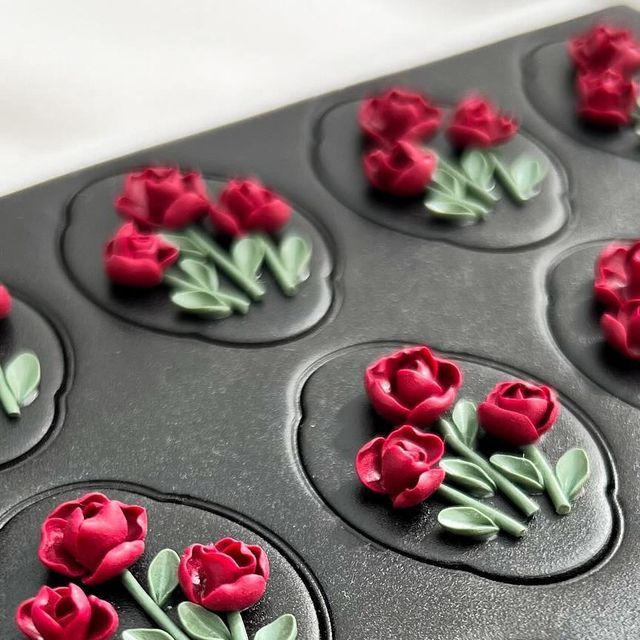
402 170
605 47
412 386
518 412
621 329
477 123
402 466
398 114
163 197
5 302
606 99
618 274
137 259
66 613
246 206
93 538
228 575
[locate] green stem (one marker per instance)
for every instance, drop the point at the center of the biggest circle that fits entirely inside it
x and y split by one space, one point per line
7 399
505 178
518 497
551 484
222 261
505 522
236 626
481 193
283 277
148 605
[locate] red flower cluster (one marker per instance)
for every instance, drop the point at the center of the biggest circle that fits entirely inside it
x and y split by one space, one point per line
617 287
5 302
605 59
398 120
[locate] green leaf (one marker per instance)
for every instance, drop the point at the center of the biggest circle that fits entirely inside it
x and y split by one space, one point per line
449 183
572 471
467 521
450 209
519 470
527 174
469 475
202 624
145 634
465 418
295 254
186 246
162 576
248 253
478 168
23 377
284 628
201 302
201 273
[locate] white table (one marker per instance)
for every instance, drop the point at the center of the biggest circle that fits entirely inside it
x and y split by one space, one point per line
82 81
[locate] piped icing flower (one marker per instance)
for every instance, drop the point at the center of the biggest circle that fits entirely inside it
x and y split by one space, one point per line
617 274
605 47
476 122
401 170
137 259
163 197
6 303
92 538
399 114
621 328
246 206
228 575
412 386
66 613
518 413
606 98
403 466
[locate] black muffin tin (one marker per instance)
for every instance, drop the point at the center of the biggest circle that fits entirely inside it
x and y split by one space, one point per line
249 426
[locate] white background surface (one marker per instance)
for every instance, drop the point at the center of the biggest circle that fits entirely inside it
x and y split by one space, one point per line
82 81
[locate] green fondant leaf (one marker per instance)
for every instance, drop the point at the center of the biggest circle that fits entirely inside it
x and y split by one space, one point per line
572 471
248 253
449 208
162 576
187 247
23 378
202 624
200 273
465 419
145 634
519 470
467 521
295 254
284 628
469 475
478 168
448 183
527 174
201 302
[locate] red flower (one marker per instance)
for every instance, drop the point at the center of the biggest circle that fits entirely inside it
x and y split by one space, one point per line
604 47
606 99
5 302
398 114
66 613
518 412
228 575
618 274
412 386
402 170
477 123
621 329
247 205
93 538
137 259
163 197
402 465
